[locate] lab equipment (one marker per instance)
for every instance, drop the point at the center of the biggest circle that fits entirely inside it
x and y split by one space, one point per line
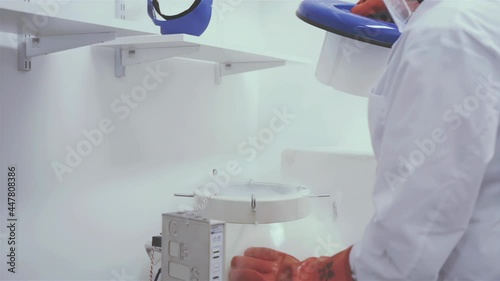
192 21
194 246
355 49
244 215
256 203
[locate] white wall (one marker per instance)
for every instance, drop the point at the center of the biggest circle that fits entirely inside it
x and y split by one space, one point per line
93 224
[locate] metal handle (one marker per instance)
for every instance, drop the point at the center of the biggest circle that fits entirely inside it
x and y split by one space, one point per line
253 203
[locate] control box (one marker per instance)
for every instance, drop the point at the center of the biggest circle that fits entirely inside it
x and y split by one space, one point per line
192 248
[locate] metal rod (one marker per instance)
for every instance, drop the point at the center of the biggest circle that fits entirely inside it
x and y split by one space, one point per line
320 195
183 195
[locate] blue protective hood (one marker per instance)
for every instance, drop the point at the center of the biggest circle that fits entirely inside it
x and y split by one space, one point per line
336 17
193 21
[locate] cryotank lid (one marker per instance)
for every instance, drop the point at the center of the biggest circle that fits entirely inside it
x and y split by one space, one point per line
336 17
256 202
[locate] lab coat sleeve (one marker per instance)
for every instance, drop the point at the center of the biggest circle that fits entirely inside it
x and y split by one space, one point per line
439 101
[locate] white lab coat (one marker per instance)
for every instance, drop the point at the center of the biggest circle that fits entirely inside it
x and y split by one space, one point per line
434 121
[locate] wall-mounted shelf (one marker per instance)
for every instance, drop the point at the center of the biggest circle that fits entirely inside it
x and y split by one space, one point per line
16 14
229 60
41 31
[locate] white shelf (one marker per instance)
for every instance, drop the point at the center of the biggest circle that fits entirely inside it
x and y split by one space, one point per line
133 45
229 60
40 33
15 14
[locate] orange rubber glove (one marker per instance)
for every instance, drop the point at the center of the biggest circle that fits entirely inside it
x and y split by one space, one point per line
260 264
263 264
369 7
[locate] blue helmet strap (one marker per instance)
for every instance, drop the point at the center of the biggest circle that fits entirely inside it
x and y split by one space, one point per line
156 5
192 21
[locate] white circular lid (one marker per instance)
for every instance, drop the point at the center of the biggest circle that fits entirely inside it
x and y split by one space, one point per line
255 202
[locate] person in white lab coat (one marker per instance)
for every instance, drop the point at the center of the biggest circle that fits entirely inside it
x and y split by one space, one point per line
435 125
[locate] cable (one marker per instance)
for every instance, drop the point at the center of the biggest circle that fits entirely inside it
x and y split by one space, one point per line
158 274
152 265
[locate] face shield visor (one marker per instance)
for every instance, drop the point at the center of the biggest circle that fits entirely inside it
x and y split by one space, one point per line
401 11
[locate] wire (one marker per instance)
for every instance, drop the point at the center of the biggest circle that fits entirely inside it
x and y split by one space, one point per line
152 265
158 274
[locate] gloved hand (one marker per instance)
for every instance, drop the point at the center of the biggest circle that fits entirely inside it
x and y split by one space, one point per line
369 7
260 264
263 264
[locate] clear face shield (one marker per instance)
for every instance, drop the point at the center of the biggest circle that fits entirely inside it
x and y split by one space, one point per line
401 11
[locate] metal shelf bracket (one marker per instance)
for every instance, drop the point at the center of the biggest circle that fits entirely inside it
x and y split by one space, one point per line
223 69
31 46
126 57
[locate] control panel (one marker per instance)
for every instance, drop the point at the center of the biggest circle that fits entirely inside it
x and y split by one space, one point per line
192 247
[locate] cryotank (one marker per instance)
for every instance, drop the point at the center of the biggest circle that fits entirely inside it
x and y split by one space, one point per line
199 245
